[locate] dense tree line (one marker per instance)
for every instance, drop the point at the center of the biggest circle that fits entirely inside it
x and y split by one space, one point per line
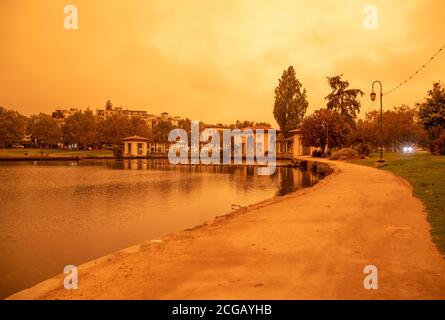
82 128
85 130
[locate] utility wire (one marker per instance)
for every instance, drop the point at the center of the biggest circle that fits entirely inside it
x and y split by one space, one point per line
417 71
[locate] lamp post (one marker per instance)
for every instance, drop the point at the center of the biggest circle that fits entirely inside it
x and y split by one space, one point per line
373 97
327 137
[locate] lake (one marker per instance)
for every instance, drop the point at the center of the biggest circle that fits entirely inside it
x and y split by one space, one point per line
57 213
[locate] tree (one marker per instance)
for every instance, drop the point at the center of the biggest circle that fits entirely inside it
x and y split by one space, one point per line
290 101
114 129
12 127
44 129
263 124
186 125
432 115
80 128
365 134
108 105
343 100
161 131
139 127
322 126
400 129
241 124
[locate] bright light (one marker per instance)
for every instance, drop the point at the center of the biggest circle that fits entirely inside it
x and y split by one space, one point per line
408 149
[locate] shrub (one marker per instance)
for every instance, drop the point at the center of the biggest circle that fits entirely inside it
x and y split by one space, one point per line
118 152
346 154
317 153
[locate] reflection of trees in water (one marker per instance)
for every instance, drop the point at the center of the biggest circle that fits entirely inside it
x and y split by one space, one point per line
287 180
287 183
294 179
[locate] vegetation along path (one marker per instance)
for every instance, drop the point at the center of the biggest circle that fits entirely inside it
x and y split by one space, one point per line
308 245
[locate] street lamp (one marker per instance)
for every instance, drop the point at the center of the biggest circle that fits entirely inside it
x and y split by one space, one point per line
373 97
327 137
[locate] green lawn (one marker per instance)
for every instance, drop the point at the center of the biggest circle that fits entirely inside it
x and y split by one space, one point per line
426 174
11 153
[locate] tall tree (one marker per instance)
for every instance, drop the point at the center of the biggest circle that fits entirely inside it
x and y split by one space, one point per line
342 99
108 105
432 115
12 126
44 129
290 101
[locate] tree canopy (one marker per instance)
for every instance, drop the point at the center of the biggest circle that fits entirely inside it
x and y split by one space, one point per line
12 126
432 115
324 126
80 128
342 99
290 101
44 129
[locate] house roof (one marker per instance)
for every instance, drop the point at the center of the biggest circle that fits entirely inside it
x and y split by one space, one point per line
135 138
254 128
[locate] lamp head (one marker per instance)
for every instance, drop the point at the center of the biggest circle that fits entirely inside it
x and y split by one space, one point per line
373 96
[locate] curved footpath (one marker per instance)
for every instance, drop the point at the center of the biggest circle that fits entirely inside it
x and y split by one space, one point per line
313 244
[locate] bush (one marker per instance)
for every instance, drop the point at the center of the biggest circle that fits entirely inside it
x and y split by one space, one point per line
437 146
317 154
118 152
346 154
364 149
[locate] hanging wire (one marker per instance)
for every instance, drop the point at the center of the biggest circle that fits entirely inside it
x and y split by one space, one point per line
417 71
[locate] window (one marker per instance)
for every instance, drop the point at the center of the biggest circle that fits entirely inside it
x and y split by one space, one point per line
129 147
139 148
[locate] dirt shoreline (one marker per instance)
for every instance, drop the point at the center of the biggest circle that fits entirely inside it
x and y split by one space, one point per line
312 244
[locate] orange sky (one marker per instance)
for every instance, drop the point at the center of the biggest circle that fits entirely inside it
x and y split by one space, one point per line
215 61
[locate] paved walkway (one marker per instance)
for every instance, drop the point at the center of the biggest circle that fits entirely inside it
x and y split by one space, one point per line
309 245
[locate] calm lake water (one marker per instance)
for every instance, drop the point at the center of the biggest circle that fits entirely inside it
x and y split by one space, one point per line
53 214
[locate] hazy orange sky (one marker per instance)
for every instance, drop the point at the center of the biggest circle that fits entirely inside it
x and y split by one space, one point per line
215 61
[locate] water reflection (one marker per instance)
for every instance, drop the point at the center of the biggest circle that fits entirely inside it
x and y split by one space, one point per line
59 213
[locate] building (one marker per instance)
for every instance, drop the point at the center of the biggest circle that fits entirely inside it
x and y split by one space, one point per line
135 146
150 119
263 143
166 117
288 147
60 115
104 114
158 147
292 146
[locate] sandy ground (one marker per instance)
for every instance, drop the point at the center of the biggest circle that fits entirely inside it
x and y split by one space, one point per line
310 245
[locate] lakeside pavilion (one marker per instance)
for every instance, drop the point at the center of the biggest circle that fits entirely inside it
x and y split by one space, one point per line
135 146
